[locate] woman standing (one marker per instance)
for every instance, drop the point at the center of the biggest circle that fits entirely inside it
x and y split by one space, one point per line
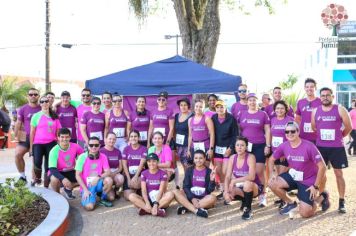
43 137
353 132
116 122
225 137
241 179
133 161
140 120
201 132
255 126
92 122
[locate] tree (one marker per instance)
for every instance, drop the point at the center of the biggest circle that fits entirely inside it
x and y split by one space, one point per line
12 91
199 25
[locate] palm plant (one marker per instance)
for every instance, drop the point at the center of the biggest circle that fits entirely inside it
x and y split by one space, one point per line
12 91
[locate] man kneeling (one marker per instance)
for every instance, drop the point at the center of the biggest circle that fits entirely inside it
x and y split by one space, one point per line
93 175
307 171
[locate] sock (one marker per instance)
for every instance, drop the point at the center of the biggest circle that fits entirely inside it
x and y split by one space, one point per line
176 179
248 199
22 174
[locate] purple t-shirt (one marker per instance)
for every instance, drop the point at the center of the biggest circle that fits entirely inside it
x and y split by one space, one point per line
140 123
244 170
328 127
25 114
270 112
304 110
302 159
200 133
252 126
161 120
117 124
236 109
153 181
198 182
133 157
113 156
67 116
81 109
95 125
277 131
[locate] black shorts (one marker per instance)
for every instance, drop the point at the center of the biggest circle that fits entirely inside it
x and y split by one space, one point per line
25 144
259 151
125 186
70 175
302 195
281 162
335 155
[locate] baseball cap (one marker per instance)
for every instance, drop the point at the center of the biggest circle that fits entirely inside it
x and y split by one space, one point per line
220 103
152 156
163 94
251 95
65 93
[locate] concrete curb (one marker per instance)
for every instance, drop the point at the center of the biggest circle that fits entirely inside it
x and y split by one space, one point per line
56 222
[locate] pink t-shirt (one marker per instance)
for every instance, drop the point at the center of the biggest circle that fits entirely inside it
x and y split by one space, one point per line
164 155
46 128
64 160
353 118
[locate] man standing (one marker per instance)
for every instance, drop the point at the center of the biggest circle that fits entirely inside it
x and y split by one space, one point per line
50 96
22 130
67 115
266 101
332 123
81 109
304 110
277 96
241 105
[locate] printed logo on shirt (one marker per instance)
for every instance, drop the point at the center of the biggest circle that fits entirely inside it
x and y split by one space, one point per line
153 181
113 158
199 178
295 158
99 121
251 121
278 127
93 166
50 123
199 128
139 119
67 157
240 173
160 117
318 157
326 118
134 157
307 108
66 114
118 119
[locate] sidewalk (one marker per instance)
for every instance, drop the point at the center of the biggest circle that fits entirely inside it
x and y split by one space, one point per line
122 219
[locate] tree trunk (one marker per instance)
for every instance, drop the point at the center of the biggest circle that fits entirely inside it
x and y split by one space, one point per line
199 25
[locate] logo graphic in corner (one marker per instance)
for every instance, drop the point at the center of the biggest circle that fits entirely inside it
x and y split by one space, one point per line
333 15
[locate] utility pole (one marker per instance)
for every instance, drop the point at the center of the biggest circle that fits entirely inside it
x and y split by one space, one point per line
174 36
48 33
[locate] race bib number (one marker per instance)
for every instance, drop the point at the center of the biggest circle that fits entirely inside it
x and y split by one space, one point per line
119 132
153 195
199 146
90 180
197 191
133 170
249 147
296 175
307 128
143 135
220 150
180 139
276 141
162 130
99 135
113 170
240 184
327 134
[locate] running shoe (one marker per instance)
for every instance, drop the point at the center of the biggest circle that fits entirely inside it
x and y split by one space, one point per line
282 205
69 194
36 182
220 195
142 212
202 212
247 214
161 213
289 207
262 199
24 179
278 202
342 208
181 210
105 203
325 203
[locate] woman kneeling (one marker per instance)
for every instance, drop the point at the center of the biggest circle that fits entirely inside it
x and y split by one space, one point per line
153 187
241 180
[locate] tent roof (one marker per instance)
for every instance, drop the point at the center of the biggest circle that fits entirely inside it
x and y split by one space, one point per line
176 75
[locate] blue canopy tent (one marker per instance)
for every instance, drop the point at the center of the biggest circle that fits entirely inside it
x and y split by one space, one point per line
176 75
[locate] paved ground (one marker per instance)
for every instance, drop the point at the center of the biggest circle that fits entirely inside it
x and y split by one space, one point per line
123 219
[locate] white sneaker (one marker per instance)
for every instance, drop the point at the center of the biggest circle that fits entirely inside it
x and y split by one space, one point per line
262 199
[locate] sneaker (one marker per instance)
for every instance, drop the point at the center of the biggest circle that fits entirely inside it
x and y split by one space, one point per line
105 203
36 182
247 214
262 199
69 194
290 206
202 212
24 179
342 208
325 203
142 212
181 210
282 205
220 195
161 213
278 202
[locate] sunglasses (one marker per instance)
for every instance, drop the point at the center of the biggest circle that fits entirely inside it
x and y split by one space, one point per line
242 91
93 145
118 100
44 101
95 103
290 131
33 94
86 95
161 99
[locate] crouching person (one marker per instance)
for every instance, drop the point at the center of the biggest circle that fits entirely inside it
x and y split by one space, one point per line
155 197
199 182
61 165
93 176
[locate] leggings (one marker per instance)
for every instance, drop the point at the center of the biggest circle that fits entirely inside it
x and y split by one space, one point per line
40 150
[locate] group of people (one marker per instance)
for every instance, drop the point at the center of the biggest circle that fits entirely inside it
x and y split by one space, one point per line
104 149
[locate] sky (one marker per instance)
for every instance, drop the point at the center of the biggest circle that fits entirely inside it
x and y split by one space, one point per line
263 49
